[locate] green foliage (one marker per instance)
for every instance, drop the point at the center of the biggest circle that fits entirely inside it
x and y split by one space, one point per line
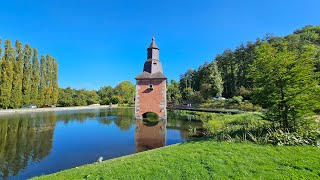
187 94
196 97
23 81
237 99
16 93
206 80
106 93
125 92
173 92
55 86
231 104
35 79
27 73
43 80
151 116
49 80
285 82
252 127
235 65
6 80
282 138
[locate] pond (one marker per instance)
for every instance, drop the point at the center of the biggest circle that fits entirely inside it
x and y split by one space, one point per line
35 144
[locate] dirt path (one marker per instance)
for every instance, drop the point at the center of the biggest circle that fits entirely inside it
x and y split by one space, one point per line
19 111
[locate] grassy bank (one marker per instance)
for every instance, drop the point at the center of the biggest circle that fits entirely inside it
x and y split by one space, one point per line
252 127
206 160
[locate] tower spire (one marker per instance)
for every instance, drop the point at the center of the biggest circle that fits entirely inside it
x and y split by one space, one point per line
153 50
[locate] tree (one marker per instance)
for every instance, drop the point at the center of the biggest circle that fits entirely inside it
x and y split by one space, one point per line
43 77
91 97
55 86
66 97
35 79
285 83
6 75
211 84
216 79
105 94
0 65
173 92
16 99
187 94
125 92
27 72
49 80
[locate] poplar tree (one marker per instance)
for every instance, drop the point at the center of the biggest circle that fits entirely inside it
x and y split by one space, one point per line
43 77
0 63
6 75
216 80
55 92
16 98
49 68
27 70
35 78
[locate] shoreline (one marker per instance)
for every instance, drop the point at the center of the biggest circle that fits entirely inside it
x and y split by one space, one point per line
21 111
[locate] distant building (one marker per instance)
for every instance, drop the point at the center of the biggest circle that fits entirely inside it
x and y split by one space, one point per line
151 86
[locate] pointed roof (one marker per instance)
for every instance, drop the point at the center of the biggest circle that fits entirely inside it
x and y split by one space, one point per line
146 75
153 44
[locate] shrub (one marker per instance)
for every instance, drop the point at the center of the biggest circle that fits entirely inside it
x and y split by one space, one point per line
252 127
280 137
237 99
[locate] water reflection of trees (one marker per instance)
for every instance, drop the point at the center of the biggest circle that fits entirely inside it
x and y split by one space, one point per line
28 137
123 118
24 138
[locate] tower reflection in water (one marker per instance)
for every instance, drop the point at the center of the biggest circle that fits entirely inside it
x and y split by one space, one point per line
149 134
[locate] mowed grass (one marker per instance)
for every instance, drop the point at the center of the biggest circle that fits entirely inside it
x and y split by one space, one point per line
206 160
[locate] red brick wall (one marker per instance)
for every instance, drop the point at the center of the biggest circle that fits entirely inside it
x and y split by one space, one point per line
151 100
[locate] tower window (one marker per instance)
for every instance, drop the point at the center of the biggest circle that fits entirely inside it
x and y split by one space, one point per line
155 63
150 87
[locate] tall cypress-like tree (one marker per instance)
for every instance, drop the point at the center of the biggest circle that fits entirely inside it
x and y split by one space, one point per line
55 92
16 99
49 68
0 63
27 70
35 78
6 75
43 77
216 80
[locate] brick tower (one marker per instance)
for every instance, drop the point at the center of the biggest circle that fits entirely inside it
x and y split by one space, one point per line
151 86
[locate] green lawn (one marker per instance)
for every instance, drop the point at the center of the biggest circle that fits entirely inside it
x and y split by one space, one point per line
206 160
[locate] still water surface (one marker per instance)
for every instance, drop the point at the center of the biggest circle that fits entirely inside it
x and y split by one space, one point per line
42 143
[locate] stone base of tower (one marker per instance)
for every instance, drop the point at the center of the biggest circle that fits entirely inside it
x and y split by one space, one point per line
151 97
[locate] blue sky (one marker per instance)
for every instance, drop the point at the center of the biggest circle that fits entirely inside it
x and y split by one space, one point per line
102 42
